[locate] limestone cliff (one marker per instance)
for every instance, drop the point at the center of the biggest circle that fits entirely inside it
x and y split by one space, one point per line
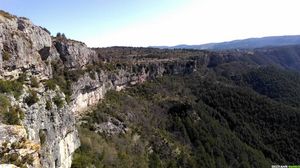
59 79
25 49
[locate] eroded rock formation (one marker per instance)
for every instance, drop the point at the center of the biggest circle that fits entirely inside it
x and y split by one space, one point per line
30 53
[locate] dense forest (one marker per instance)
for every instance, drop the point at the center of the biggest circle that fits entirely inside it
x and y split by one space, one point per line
222 117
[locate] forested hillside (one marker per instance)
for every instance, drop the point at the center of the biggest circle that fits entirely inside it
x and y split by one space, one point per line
247 118
274 41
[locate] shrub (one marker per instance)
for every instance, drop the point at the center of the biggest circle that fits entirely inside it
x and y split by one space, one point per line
50 84
48 105
154 161
46 30
34 82
113 97
73 75
64 78
13 157
10 115
28 159
61 35
5 86
16 145
31 98
6 56
110 66
17 89
13 87
58 101
4 103
13 116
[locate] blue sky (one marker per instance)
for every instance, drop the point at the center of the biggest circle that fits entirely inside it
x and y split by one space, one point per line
160 22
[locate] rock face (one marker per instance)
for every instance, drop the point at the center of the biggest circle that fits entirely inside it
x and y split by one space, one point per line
87 91
54 129
29 51
20 43
26 49
74 54
16 146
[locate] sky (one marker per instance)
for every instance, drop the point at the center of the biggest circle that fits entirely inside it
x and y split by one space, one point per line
103 23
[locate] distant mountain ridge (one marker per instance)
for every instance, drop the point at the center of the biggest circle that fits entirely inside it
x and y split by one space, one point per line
249 43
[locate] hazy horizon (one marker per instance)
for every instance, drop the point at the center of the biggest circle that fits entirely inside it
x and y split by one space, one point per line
160 23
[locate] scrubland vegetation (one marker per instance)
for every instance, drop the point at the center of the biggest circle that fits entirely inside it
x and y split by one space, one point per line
247 119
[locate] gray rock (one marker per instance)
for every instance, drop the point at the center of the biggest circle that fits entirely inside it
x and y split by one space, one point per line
26 48
74 54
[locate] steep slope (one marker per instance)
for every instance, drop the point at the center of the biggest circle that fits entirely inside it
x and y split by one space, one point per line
280 85
189 121
26 51
47 83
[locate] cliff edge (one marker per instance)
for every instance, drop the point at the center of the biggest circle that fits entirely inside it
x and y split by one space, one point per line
46 82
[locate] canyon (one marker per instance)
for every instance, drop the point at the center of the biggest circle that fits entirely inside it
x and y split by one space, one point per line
52 82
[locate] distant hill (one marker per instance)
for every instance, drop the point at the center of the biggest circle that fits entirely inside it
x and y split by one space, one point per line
245 43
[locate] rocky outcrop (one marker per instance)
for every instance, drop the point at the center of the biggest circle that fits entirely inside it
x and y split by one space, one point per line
16 148
111 127
20 43
53 128
29 51
74 54
87 91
